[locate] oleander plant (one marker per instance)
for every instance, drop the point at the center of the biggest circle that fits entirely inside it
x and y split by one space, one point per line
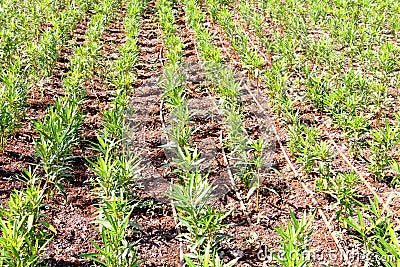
199 133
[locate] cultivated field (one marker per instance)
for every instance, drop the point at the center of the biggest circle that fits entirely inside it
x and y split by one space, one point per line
199 133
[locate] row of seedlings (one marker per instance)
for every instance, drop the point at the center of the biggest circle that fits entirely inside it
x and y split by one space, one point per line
22 23
115 167
59 129
305 143
192 193
32 64
246 154
254 63
351 100
328 91
294 237
250 59
342 185
25 232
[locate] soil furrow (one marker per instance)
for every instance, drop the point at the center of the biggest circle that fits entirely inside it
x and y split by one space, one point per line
157 237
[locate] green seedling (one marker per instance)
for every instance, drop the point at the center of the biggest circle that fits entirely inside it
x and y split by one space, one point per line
172 84
342 187
180 130
204 223
24 231
58 134
208 259
305 144
372 227
295 241
115 226
383 141
115 168
13 94
186 159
